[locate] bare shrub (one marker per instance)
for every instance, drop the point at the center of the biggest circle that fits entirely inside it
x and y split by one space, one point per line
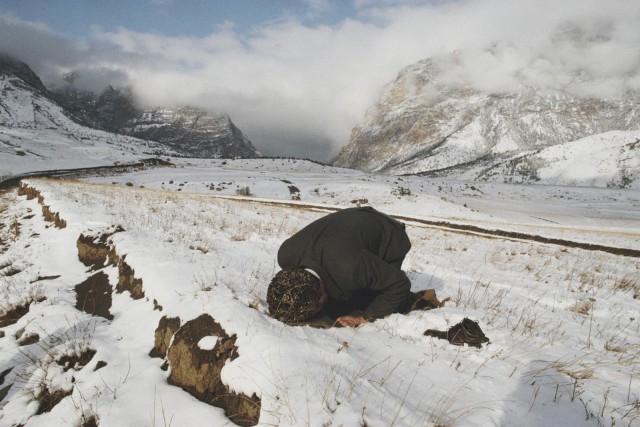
243 191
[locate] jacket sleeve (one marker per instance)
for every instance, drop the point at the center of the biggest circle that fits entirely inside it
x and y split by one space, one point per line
390 284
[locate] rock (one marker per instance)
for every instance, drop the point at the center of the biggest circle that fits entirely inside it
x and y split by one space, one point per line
197 371
127 280
93 251
164 332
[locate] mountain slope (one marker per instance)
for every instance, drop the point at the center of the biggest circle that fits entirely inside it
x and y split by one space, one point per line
78 129
424 123
37 134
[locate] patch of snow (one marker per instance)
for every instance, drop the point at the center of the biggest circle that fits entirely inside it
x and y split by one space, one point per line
207 343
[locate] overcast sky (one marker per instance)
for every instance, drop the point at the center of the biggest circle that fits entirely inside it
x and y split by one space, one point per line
297 76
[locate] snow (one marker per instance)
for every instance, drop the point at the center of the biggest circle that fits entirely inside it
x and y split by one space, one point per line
207 343
586 162
563 322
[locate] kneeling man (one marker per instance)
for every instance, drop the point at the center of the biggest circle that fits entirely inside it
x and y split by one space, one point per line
346 265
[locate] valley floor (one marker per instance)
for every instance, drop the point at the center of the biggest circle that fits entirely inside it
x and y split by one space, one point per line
201 238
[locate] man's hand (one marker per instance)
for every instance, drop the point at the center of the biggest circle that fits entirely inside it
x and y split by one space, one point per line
351 320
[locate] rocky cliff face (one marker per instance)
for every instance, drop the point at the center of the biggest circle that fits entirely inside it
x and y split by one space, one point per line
108 111
423 123
24 100
191 131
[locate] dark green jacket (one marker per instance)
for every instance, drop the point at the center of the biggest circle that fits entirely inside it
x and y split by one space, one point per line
354 250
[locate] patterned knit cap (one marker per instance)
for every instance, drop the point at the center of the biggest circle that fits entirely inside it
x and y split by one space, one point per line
293 295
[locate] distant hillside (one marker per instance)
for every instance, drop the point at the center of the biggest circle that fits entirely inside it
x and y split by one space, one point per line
186 131
424 125
190 131
36 133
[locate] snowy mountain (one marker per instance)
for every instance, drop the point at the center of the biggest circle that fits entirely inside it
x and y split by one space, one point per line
36 133
189 131
610 159
73 119
426 124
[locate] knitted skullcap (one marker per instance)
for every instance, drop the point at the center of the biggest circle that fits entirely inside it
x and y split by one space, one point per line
293 295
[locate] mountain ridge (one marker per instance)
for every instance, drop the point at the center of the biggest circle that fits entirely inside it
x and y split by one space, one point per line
188 131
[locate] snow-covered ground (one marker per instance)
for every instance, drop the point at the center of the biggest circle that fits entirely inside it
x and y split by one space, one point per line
564 323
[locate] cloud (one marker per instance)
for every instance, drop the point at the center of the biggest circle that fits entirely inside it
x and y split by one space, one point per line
298 89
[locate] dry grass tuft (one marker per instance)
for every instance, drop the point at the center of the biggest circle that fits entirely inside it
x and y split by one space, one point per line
628 284
583 306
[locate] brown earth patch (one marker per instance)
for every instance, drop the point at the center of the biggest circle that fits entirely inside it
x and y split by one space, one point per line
93 296
28 339
94 250
48 399
197 371
76 361
30 192
12 316
127 280
165 330
49 215
91 421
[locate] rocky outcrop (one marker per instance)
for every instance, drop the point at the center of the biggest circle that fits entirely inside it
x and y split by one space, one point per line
96 251
53 217
197 370
191 131
15 313
30 192
127 280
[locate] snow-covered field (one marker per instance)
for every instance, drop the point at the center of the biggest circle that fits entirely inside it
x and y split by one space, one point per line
564 323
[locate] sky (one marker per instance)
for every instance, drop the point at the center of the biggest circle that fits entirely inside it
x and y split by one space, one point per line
297 76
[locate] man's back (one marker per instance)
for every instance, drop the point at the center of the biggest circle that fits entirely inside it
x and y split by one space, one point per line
351 250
